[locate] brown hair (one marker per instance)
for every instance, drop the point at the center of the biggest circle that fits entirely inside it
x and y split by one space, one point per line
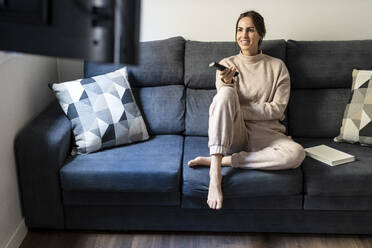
258 22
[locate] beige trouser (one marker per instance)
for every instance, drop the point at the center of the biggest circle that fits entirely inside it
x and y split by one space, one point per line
254 144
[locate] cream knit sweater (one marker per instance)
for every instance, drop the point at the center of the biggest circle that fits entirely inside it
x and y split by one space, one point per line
263 86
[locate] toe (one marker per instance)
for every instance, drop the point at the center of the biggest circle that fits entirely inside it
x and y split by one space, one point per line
219 205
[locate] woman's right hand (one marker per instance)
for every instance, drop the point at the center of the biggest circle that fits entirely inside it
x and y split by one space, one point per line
227 75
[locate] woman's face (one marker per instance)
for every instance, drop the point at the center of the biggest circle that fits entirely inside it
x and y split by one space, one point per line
247 36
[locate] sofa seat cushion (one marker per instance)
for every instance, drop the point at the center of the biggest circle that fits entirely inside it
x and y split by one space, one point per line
343 187
242 188
142 173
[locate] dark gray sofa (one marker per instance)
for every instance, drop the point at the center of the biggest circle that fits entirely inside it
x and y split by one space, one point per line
148 185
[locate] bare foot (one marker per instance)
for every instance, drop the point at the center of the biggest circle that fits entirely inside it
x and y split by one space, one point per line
206 161
215 193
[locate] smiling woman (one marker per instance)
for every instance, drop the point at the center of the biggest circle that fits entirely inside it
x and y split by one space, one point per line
250 30
245 113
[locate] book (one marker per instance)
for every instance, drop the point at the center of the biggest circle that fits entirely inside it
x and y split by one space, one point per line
329 155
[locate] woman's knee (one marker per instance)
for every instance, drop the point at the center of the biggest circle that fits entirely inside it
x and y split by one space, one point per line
226 94
226 100
298 155
293 156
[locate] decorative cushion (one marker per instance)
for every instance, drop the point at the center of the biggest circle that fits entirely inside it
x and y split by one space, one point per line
102 111
357 121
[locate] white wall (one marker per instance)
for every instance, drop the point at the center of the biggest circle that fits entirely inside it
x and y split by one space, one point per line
23 94
207 20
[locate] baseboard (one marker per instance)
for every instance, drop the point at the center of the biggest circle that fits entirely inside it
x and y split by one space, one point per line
18 236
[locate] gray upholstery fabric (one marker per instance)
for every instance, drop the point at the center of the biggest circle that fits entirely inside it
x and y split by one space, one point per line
160 63
326 64
241 188
317 113
331 184
197 111
41 148
163 108
247 202
163 218
350 179
356 203
76 198
198 55
151 166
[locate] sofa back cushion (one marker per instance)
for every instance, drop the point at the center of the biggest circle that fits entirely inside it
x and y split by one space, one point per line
200 79
321 78
160 63
199 54
157 83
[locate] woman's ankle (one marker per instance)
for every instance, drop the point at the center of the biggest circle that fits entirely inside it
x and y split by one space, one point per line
226 160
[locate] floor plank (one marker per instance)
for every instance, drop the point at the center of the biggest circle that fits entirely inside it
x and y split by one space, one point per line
82 239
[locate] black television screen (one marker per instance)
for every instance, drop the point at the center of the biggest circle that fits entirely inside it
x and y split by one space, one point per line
93 30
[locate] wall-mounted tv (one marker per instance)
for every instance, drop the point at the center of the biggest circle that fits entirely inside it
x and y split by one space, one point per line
93 30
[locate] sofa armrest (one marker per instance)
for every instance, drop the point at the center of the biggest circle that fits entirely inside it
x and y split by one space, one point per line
41 148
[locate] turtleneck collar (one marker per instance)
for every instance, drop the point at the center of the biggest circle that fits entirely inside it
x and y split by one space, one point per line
251 59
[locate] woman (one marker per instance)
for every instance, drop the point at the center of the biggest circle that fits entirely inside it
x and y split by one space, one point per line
244 115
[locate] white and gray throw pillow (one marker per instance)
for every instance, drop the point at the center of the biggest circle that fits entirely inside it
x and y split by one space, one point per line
102 111
357 120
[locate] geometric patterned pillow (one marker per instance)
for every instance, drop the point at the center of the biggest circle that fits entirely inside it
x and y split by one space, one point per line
357 120
102 111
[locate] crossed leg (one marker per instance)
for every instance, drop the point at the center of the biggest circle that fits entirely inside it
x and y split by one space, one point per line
226 130
281 154
270 158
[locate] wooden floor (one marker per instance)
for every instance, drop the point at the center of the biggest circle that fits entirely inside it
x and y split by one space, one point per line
53 239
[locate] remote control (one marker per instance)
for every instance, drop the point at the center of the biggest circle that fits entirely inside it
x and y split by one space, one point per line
221 67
